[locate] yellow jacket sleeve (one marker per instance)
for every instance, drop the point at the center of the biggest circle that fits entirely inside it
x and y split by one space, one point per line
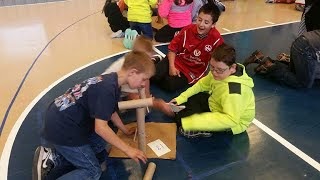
201 86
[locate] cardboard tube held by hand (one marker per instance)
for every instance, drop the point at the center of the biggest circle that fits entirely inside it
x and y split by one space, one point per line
150 171
133 104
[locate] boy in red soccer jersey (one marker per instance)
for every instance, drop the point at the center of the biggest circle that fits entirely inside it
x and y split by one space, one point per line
189 52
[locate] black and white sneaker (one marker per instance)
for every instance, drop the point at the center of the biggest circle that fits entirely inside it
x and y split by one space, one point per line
220 5
156 58
194 134
42 163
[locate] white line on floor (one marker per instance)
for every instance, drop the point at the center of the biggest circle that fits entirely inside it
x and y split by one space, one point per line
226 29
159 52
288 145
261 27
269 22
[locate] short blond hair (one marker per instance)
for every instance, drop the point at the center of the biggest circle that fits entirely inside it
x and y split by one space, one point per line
140 61
144 42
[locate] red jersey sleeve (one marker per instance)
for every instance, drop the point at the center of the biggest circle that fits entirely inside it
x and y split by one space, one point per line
176 45
219 40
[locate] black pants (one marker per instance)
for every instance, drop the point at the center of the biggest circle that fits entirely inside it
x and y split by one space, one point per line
312 20
280 72
166 33
196 104
115 19
165 81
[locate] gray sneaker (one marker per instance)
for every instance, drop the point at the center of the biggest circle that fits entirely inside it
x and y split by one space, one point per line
194 134
42 163
220 5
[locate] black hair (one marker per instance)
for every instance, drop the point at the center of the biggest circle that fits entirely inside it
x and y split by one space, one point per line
212 9
224 53
104 9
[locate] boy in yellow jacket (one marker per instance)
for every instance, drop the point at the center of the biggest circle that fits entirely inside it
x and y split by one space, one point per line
139 15
221 101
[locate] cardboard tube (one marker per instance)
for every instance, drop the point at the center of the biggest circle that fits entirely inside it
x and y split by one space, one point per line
141 113
132 104
142 94
150 171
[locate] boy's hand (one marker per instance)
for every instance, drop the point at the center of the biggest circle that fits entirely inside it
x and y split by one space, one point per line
136 155
130 131
174 71
173 101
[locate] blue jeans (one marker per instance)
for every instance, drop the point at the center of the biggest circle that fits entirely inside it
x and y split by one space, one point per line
303 61
82 162
144 28
302 68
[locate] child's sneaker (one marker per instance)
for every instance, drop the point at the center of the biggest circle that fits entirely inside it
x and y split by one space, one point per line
129 37
255 57
156 58
264 66
42 163
194 134
283 57
220 5
118 34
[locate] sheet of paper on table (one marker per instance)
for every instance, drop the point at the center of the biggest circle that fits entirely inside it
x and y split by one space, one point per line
159 147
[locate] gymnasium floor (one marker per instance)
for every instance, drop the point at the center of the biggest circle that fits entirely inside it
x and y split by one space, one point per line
45 51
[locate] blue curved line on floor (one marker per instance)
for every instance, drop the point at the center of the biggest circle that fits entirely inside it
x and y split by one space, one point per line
30 68
217 170
184 164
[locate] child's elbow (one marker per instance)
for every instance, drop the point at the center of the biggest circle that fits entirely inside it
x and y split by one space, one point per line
99 128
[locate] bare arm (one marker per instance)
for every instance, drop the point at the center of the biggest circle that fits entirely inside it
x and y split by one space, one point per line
118 122
103 130
172 69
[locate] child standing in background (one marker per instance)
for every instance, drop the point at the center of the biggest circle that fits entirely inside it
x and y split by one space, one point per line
178 13
139 16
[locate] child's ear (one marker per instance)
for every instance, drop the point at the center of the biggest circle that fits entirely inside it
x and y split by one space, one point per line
233 68
213 25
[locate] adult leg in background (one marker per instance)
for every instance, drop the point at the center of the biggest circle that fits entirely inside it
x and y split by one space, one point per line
303 61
